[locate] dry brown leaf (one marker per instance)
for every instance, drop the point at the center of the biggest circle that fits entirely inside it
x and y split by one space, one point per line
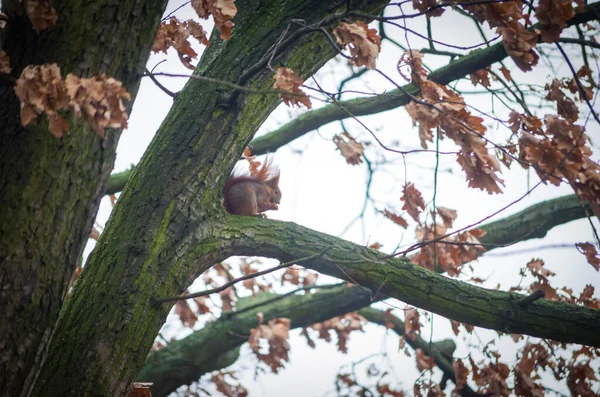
364 43
590 253
460 372
41 13
448 216
99 101
289 83
423 361
4 63
397 219
411 323
41 89
413 201
426 5
175 33
350 148
276 332
553 15
185 313
221 10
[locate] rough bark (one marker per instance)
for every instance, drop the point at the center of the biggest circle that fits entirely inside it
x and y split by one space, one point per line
161 232
50 188
182 362
398 278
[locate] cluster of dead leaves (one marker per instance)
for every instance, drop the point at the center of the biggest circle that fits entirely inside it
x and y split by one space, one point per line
175 33
224 382
559 151
289 84
346 382
441 108
276 333
364 43
506 17
493 378
341 325
187 315
541 275
349 148
553 15
98 100
221 10
299 276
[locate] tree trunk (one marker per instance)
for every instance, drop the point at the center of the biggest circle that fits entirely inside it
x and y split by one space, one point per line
160 235
50 188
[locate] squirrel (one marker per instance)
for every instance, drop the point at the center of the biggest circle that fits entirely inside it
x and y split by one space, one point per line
255 193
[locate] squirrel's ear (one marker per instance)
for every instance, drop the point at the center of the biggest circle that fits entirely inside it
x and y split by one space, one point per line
273 182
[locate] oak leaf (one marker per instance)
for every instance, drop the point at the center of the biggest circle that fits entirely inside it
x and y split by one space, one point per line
590 253
397 219
41 13
4 63
41 90
364 43
413 201
289 83
221 10
99 101
349 147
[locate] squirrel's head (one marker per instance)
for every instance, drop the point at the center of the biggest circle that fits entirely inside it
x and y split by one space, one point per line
273 183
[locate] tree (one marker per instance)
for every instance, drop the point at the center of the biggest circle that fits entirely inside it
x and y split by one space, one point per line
168 226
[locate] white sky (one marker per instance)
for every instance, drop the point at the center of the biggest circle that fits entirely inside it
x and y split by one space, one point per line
322 192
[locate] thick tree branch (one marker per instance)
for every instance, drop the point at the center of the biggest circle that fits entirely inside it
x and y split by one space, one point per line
165 368
161 234
395 98
400 279
457 69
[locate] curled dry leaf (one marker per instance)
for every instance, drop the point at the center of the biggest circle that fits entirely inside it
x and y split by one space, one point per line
423 361
342 326
4 63
482 76
425 5
221 10
590 253
99 101
175 33
276 332
460 372
413 201
397 219
553 15
349 147
565 106
41 89
364 43
448 216
288 82
41 14
411 322
185 313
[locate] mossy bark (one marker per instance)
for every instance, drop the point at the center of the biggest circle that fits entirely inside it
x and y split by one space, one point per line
184 361
398 278
50 188
161 234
